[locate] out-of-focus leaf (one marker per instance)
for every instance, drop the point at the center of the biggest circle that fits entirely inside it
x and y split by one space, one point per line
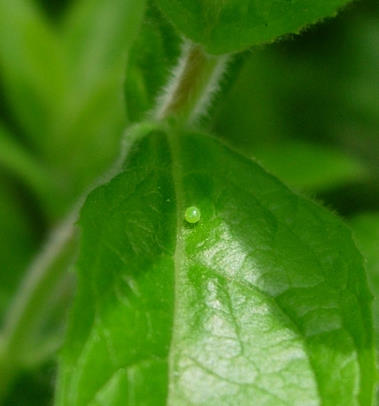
31 68
310 166
33 388
33 323
70 89
249 114
224 27
19 162
97 36
263 301
150 62
18 240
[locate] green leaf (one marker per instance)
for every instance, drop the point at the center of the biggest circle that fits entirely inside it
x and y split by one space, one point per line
310 166
366 230
97 37
19 162
263 301
154 52
224 27
319 87
31 66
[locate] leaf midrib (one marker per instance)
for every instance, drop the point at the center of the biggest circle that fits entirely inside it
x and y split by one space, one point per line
176 168
177 176
177 172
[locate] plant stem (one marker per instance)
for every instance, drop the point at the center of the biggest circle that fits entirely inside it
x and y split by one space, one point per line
195 81
46 273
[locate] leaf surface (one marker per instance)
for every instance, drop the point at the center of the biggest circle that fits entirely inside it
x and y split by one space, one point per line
263 301
229 26
366 230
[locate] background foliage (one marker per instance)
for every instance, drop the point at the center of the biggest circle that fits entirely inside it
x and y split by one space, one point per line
306 108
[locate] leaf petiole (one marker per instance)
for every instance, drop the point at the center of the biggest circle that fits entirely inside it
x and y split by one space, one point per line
194 83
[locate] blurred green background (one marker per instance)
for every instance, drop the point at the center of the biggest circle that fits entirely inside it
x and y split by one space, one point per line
72 78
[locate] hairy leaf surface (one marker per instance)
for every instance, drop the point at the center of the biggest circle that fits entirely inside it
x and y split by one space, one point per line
229 26
263 301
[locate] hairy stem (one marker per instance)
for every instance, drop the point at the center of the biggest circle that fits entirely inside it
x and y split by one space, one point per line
195 81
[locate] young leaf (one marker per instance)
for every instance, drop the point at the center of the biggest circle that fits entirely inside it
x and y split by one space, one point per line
234 25
263 300
151 57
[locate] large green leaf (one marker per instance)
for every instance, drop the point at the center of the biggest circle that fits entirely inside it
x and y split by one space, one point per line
234 25
264 301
